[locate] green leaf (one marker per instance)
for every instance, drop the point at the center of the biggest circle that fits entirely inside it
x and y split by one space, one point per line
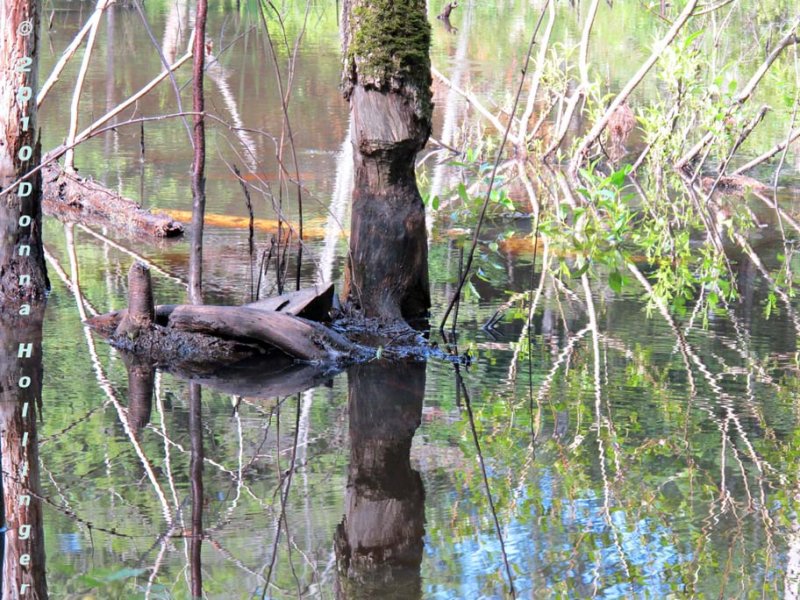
615 281
462 193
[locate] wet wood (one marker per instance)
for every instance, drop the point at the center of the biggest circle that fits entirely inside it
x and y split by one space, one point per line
312 228
21 251
295 337
141 312
20 410
73 198
313 303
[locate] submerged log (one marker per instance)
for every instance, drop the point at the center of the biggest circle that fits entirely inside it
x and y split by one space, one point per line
74 198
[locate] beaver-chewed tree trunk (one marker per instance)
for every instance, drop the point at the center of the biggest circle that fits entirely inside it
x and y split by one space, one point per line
22 271
387 80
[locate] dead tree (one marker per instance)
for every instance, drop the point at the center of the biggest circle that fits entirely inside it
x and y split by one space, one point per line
387 80
23 277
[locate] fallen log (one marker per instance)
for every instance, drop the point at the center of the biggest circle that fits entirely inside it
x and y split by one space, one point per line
314 303
71 197
296 337
185 336
313 229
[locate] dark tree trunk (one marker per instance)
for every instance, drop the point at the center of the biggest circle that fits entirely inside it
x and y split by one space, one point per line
23 552
379 543
21 253
199 160
387 80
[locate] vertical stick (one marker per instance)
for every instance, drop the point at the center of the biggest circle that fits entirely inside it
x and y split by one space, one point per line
198 164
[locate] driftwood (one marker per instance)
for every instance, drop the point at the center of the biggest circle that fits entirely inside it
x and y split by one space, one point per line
295 337
74 198
312 303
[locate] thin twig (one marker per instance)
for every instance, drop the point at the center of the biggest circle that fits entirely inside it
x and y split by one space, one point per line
481 217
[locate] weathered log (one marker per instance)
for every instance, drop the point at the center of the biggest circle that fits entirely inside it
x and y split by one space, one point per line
296 337
313 303
74 198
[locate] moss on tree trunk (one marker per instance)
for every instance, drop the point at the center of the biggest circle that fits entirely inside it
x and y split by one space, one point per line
387 81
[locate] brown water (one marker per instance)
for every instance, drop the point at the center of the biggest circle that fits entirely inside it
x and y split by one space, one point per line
679 478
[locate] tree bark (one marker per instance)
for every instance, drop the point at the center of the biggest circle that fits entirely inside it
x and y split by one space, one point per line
379 543
387 80
141 313
199 159
19 410
21 252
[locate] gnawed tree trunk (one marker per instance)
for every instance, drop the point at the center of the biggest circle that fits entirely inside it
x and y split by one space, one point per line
21 252
23 557
387 80
379 543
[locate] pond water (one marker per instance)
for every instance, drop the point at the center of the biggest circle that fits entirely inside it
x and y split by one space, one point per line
658 458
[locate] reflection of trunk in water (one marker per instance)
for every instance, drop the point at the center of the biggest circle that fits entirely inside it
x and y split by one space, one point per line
379 542
19 408
141 383
196 477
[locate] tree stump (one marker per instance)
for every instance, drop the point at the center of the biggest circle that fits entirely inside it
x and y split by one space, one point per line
141 313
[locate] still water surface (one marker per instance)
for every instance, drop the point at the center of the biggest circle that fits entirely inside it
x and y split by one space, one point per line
664 466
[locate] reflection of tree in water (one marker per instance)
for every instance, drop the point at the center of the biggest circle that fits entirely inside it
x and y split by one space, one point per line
19 408
379 541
